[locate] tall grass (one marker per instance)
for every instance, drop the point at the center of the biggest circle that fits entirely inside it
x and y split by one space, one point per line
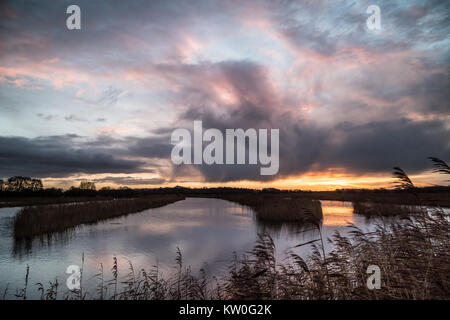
39 220
411 268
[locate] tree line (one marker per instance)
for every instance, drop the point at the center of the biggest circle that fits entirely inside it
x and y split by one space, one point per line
20 183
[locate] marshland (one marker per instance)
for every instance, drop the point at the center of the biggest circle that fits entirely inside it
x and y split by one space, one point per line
227 244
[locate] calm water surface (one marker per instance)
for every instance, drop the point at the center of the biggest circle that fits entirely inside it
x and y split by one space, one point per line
207 231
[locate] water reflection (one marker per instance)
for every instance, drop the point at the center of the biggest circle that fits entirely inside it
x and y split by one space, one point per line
205 230
24 246
337 213
278 229
192 214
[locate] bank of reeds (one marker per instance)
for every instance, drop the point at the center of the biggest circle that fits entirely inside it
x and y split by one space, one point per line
377 209
279 209
39 220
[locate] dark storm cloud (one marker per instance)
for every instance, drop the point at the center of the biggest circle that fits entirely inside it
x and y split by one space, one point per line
373 146
433 93
247 81
149 147
378 146
369 148
58 156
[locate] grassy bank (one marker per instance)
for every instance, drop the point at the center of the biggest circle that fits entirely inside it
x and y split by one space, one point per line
38 220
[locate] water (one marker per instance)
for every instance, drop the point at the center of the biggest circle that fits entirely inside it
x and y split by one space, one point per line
207 231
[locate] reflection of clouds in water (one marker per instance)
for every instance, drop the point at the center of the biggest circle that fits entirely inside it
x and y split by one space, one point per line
205 230
168 227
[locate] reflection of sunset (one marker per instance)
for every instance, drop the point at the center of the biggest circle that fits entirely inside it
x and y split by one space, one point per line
337 213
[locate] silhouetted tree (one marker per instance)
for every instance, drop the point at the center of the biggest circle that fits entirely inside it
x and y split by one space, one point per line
19 184
87 185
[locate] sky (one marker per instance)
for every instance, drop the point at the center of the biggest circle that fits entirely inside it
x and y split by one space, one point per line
100 103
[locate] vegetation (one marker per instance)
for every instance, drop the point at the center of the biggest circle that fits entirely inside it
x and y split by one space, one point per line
33 221
413 256
20 184
377 209
87 185
276 208
414 259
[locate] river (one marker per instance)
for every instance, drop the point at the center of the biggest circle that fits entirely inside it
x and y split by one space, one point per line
207 232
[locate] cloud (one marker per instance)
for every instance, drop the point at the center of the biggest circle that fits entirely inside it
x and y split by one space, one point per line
148 147
374 147
370 146
378 146
58 156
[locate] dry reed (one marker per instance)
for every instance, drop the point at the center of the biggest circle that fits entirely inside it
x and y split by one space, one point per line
34 221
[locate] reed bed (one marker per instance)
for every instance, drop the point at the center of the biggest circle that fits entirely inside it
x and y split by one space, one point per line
279 209
39 220
414 259
377 209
